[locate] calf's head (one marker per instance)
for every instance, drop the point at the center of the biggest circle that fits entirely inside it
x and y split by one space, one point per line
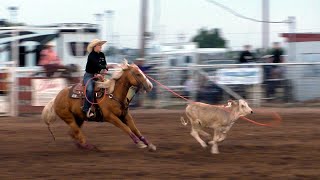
241 106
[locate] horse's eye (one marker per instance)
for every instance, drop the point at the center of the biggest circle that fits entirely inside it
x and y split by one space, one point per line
138 74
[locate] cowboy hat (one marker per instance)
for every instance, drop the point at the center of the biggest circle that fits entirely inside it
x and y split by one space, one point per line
51 43
140 59
93 43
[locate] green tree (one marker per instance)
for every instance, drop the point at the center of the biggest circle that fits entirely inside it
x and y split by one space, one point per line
209 38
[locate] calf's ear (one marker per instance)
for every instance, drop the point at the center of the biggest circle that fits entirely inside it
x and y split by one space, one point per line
232 102
235 102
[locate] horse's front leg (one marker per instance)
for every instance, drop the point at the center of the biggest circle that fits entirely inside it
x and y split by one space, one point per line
117 122
130 122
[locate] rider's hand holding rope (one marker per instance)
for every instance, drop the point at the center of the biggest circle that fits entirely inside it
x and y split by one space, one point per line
99 76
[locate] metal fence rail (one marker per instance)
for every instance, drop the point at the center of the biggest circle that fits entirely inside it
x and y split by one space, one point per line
275 84
262 84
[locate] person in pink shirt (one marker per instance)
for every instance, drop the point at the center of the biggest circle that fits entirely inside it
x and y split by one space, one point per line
50 60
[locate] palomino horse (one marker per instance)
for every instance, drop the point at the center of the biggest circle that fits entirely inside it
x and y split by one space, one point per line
113 106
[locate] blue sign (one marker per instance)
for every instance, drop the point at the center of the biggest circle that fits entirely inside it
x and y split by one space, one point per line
239 76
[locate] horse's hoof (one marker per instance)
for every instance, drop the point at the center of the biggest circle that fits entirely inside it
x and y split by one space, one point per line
87 146
141 145
204 145
215 152
152 147
92 147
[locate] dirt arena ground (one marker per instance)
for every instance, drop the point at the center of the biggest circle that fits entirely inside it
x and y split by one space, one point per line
290 151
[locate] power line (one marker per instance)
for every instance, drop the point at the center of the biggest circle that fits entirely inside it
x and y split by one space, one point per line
134 36
242 16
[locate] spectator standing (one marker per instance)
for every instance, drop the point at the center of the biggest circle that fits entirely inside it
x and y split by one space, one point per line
277 53
275 72
189 86
246 56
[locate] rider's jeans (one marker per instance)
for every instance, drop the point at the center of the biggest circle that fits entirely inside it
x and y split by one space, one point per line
89 90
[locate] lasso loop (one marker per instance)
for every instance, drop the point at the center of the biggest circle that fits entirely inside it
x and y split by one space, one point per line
85 93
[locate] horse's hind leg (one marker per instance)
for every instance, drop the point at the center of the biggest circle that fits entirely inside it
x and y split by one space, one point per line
73 131
76 133
79 121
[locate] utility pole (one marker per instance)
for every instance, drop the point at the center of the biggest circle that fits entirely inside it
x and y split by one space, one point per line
13 10
109 28
156 21
14 80
143 25
265 25
292 36
99 20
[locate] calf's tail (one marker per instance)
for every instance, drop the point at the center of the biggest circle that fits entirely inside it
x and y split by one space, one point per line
183 122
49 115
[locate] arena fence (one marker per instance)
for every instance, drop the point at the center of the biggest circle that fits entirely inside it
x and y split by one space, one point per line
5 91
262 84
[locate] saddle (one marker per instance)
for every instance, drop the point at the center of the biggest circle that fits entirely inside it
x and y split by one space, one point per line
77 91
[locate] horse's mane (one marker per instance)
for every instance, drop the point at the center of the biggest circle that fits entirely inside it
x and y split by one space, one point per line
110 83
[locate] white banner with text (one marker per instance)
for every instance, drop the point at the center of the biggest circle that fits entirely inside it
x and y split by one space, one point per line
43 90
239 76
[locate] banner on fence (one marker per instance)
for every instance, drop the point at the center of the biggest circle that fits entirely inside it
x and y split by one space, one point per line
239 76
43 90
4 104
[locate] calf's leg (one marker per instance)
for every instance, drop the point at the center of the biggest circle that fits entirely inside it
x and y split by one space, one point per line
195 133
205 134
218 137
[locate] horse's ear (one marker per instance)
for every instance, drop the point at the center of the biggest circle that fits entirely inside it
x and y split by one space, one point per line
124 65
133 65
125 61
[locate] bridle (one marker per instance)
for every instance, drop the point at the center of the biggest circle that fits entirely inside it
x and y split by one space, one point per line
144 84
125 105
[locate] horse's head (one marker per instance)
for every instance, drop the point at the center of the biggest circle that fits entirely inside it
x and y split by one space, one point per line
136 77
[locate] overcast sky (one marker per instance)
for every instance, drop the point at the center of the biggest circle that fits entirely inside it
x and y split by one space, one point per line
176 17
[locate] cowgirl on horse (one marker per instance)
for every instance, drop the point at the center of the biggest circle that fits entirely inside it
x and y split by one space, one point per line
113 104
95 63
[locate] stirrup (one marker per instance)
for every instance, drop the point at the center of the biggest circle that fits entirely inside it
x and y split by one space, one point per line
90 114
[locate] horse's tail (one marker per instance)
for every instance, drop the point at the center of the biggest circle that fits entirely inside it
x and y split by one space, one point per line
49 116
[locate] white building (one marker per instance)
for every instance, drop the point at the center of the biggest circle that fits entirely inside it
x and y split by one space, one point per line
304 48
176 59
71 40
183 54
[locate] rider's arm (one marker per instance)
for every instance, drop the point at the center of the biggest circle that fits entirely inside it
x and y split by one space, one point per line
103 63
